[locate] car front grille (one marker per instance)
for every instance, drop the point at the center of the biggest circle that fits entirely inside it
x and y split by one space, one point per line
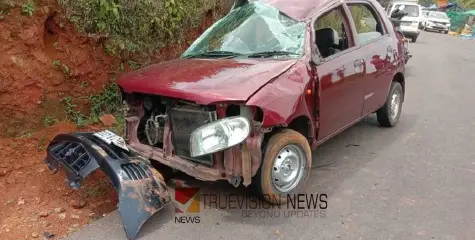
184 121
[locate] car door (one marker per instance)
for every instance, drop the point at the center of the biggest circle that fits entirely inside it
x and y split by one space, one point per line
340 73
376 47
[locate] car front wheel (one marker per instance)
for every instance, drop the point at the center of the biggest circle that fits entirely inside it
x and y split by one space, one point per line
285 167
388 115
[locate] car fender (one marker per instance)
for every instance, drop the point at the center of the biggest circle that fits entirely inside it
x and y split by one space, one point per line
285 98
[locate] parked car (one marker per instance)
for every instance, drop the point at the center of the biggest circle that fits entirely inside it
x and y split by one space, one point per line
437 21
410 24
423 18
247 103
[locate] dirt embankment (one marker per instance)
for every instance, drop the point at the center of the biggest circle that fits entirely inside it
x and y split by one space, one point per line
43 60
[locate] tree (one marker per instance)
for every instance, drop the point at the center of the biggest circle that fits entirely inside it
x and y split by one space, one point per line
467 4
426 3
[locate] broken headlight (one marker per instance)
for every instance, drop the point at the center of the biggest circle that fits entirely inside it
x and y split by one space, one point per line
219 135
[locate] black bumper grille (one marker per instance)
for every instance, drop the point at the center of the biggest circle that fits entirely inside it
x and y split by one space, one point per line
72 154
184 121
134 171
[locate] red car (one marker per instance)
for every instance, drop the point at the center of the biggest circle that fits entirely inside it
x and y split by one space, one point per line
247 102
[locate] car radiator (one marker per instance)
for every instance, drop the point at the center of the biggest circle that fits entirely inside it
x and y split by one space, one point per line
184 121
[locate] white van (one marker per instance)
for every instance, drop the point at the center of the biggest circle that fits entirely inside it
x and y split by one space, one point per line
410 25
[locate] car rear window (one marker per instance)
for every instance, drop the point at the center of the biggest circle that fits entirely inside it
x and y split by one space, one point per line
440 15
411 10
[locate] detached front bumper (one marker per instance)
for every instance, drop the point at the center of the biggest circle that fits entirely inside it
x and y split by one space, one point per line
141 189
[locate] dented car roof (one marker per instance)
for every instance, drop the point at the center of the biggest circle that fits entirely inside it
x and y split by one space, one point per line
299 9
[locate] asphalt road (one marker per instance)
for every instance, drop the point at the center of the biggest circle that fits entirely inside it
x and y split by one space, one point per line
415 181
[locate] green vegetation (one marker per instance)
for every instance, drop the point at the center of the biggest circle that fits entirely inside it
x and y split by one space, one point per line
107 101
5 7
76 116
58 65
133 65
359 13
426 3
467 4
49 121
25 134
41 144
83 84
28 8
141 26
6 4
334 20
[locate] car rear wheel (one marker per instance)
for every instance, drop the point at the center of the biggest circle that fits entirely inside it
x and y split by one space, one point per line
285 167
414 39
388 115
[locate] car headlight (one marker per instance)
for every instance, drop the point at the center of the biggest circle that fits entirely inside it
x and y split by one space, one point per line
219 135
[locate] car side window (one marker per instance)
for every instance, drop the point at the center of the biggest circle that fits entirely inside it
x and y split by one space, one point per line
367 21
331 32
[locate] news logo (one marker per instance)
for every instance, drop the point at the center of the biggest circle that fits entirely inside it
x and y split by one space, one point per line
187 201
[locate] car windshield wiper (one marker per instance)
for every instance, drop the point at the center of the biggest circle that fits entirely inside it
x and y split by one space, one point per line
215 54
270 54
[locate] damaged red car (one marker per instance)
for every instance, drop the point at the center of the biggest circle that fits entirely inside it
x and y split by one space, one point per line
246 103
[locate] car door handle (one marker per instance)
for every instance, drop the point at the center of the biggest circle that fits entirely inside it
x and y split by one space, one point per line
359 66
358 63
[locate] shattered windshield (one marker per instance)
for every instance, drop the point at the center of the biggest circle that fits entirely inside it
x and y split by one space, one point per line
253 29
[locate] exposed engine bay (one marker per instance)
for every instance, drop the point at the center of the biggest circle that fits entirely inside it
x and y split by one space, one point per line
160 128
184 118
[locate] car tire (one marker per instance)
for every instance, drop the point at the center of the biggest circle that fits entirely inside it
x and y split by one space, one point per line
414 39
445 32
283 149
388 115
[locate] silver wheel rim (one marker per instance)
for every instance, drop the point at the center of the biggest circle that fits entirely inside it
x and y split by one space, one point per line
395 104
288 168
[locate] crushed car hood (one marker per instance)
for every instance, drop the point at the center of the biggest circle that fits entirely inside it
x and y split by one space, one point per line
205 81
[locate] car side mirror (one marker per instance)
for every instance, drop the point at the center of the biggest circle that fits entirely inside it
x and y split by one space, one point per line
315 58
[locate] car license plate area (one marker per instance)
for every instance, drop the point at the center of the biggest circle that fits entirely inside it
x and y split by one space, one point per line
111 138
